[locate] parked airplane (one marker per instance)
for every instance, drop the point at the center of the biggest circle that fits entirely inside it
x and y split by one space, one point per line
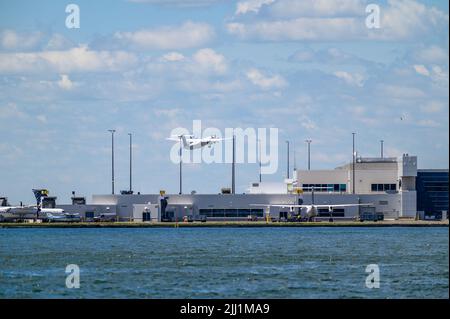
26 212
190 142
62 217
311 209
29 211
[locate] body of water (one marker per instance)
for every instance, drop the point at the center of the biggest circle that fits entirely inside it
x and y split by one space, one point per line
225 262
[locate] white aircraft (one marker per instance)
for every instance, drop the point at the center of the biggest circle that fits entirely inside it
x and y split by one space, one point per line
312 209
62 217
29 211
190 142
26 212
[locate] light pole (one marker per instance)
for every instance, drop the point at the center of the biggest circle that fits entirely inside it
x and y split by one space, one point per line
295 158
382 142
309 153
131 161
181 165
287 168
233 167
259 159
112 159
353 166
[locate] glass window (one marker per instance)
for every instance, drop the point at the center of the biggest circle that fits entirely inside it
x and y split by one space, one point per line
380 187
231 213
257 212
393 187
343 187
374 187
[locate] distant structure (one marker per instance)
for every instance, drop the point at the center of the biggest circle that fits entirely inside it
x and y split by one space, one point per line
387 185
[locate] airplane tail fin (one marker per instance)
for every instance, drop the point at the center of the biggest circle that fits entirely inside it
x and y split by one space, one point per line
39 193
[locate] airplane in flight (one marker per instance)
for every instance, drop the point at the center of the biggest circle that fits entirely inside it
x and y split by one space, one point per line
190 142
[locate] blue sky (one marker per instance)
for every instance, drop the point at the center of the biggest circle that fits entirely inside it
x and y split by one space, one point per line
310 68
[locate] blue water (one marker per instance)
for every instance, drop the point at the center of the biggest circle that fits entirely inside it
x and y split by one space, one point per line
225 262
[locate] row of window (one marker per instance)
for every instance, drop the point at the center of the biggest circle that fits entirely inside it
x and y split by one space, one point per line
333 214
218 212
384 187
325 187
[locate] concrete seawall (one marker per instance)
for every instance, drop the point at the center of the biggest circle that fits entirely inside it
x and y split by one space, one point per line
407 223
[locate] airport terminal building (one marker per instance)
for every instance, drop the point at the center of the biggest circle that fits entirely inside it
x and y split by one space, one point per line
386 185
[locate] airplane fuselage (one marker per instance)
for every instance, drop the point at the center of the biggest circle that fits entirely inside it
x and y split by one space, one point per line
26 212
197 144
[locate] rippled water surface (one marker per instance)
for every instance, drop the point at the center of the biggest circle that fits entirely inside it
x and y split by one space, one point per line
225 262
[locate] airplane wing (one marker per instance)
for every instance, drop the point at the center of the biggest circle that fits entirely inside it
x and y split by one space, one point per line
317 206
280 205
215 139
341 205
181 135
175 139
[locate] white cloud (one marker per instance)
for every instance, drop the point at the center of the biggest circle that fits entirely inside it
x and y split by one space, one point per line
432 54
298 29
244 7
265 82
12 40
65 83
58 42
42 118
317 8
187 35
402 92
172 57
170 113
421 69
404 19
437 74
179 3
202 63
432 107
428 123
352 79
79 59
209 60
307 123
290 20
11 111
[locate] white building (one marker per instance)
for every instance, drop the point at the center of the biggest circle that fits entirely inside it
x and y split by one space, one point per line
386 185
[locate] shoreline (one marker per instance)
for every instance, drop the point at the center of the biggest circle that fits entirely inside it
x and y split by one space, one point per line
250 224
